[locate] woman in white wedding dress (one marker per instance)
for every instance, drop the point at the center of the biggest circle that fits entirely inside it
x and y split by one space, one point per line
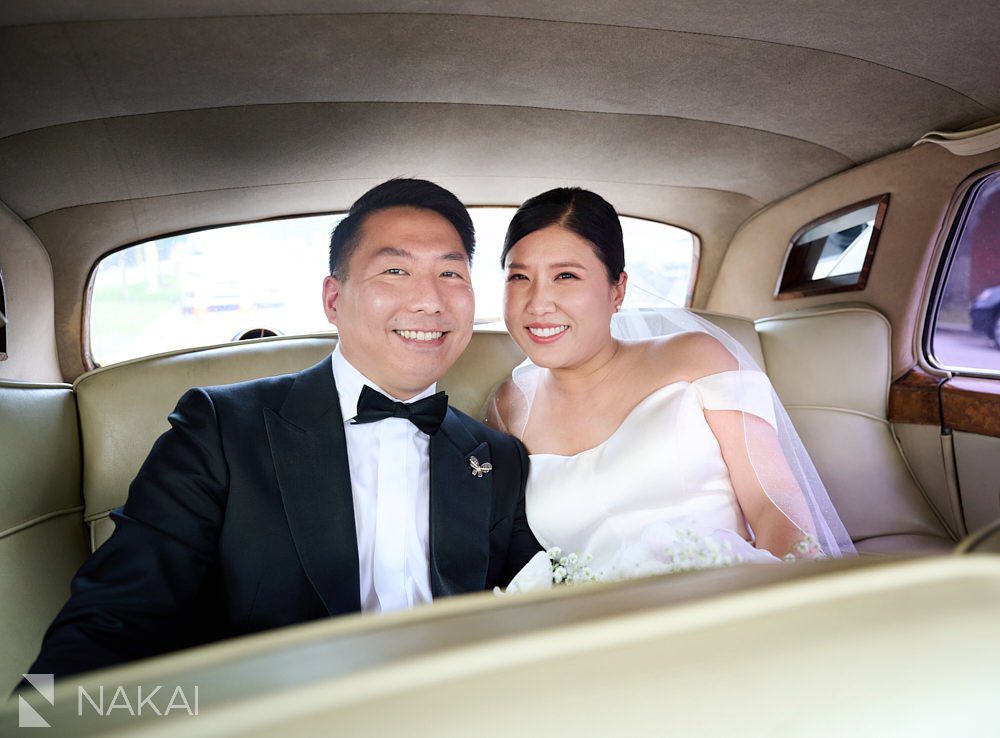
659 453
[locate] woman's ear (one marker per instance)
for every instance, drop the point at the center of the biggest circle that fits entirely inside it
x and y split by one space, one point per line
618 290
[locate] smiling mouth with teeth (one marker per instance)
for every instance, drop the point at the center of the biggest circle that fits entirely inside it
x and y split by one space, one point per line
420 335
547 332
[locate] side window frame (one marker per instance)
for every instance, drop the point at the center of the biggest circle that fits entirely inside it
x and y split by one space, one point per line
3 320
957 218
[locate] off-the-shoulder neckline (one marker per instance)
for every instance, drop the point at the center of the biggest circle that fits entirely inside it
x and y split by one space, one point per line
636 407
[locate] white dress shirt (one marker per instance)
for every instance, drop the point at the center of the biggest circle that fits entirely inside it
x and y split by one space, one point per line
390 481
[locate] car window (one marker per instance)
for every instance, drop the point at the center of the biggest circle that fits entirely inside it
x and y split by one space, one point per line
965 321
218 284
835 252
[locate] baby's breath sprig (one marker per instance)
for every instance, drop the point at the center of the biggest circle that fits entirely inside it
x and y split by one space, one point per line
571 568
807 548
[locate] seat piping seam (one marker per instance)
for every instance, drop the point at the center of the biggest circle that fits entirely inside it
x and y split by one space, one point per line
40 519
835 409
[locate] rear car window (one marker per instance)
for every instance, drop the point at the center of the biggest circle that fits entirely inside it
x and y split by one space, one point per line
964 333
260 279
833 253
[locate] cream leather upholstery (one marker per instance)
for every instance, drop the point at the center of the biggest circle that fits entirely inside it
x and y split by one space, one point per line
124 407
984 540
42 535
829 366
831 369
742 330
674 655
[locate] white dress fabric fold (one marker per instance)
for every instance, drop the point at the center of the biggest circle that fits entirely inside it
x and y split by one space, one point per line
655 496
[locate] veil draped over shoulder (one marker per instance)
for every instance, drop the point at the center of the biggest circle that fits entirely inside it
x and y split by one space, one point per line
802 499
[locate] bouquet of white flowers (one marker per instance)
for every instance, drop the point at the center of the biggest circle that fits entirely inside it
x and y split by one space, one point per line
663 549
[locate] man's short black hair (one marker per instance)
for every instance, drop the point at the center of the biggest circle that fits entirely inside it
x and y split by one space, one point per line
412 193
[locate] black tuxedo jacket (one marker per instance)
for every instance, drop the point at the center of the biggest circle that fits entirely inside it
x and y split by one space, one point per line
242 519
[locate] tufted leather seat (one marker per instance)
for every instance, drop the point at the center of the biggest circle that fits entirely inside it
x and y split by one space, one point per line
124 407
42 536
986 540
830 367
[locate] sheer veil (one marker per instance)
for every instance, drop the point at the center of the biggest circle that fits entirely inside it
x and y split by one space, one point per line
800 495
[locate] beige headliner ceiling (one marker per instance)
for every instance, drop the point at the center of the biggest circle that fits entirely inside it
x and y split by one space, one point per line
120 120
755 98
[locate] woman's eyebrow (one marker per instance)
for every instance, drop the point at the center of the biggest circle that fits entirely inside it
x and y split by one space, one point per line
557 265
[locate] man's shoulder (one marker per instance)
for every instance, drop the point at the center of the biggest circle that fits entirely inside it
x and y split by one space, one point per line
252 394
481 431
268 391
262 386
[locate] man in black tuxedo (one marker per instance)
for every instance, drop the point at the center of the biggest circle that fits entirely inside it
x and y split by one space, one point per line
348 486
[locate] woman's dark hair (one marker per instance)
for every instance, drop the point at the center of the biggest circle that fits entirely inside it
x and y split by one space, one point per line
585 213
412 193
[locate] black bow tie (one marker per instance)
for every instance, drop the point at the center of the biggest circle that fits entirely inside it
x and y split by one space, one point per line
426 414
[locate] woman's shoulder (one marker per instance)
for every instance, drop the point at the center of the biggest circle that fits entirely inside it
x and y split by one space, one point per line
506 399
688 356
504 392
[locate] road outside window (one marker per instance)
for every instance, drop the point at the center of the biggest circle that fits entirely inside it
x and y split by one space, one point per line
966 331
209 287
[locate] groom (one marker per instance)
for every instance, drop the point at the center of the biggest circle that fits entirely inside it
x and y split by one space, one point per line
348 486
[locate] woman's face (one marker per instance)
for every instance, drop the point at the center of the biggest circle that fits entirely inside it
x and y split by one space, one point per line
558 302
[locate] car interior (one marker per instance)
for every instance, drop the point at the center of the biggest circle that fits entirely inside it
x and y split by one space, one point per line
762 128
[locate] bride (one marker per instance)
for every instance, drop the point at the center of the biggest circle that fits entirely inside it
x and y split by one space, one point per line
655 443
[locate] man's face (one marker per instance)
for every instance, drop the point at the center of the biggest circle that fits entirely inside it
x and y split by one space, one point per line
404 311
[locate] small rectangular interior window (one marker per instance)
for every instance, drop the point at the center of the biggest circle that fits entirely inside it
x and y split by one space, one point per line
833 253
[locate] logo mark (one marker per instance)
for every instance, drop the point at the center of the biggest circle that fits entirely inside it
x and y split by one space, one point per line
27 716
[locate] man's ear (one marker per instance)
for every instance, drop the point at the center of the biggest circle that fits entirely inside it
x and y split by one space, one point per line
331 294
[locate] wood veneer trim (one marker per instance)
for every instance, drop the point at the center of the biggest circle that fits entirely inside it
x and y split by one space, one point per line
914 398
972 405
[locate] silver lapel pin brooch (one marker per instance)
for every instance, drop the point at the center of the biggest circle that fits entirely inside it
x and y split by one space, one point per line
479 469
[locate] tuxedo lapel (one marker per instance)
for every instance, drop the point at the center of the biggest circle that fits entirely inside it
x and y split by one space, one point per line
309 450
460 510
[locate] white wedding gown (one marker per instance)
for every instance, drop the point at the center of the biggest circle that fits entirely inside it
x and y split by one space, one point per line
655 496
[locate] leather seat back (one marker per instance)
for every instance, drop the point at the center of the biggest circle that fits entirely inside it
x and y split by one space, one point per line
742 329
831 367
124 407
43 540
986 540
